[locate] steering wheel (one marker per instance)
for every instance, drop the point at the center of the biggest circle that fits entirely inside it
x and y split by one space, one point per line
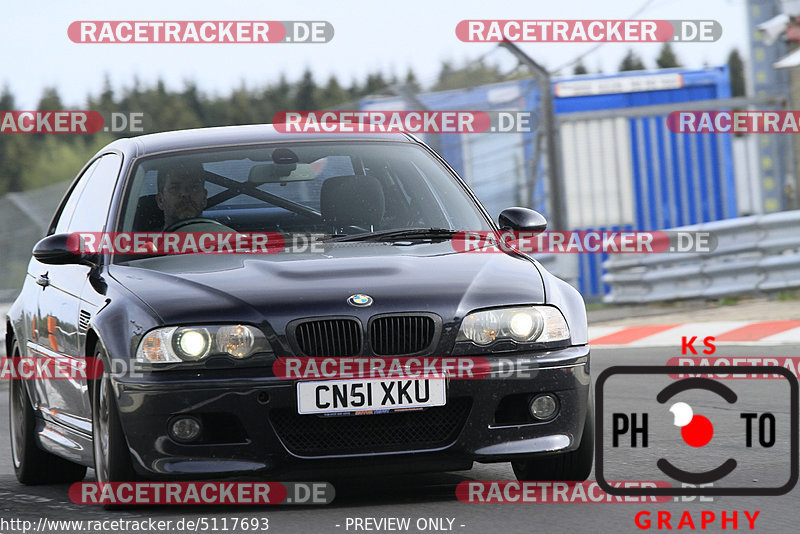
195 220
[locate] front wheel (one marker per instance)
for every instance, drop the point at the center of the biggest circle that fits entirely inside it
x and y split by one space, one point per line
32 465
112 461
569 466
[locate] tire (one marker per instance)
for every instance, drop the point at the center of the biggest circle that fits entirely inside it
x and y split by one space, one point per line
112 461
32 464
570 466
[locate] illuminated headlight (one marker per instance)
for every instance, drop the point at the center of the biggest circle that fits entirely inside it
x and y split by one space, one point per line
538 324
175 344
191 344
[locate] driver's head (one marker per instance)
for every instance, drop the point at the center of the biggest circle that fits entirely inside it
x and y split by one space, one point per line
181 192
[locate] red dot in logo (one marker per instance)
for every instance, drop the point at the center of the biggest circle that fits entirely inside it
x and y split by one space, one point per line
698 432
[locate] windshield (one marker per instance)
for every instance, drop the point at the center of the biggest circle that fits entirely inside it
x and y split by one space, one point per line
322 188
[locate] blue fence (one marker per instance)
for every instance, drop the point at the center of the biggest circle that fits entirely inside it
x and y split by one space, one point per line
621 172
667 179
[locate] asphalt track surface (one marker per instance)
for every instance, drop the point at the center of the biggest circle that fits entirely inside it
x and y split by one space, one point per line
420 497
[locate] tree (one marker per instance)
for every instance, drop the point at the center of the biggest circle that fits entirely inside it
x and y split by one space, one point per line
631 61
305 98
56 160
281 94
580 68
470 75
50 101
191 96
411 81
332 94
666 58
6 99
375 84
354 91
106 101
241 109
15 150
736 73
445 72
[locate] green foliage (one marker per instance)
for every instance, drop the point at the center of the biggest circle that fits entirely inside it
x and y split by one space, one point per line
35 160
470 75
58 160
411 81
666 58
15 153
332 94
50 101
375 84
306 97
631 61
788 295
736 71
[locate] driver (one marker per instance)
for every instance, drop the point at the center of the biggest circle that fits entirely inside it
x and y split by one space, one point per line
182 196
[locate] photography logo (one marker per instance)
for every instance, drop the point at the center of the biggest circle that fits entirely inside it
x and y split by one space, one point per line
697 431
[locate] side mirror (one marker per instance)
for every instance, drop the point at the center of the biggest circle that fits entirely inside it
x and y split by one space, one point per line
56 250
522 219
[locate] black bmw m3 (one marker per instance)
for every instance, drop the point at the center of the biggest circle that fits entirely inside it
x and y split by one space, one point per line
186 344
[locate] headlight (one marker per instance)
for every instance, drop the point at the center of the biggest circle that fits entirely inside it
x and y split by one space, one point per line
174 344
238 341
538 324
191 344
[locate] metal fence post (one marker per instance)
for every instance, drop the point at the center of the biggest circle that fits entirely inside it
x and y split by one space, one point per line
555 179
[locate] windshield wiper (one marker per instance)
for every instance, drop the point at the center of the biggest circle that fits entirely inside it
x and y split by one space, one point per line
399 235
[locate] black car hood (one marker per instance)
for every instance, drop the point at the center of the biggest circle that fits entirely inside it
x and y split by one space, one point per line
282 287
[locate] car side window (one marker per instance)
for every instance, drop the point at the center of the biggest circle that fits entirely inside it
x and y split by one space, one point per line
92 207
69 208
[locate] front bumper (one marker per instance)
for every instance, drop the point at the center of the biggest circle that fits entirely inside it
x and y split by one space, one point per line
249 415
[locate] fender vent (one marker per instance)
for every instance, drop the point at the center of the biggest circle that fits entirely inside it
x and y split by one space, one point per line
83 321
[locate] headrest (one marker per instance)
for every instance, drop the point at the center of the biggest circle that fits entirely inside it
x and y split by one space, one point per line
149 217
352 201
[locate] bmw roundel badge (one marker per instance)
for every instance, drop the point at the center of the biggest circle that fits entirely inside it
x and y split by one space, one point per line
360 300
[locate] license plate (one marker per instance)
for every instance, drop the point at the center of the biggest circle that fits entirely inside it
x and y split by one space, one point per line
342 396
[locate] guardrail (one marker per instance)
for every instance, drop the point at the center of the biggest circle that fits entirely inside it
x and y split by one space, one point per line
754 254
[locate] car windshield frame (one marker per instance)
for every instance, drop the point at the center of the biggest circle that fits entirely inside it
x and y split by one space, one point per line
129 178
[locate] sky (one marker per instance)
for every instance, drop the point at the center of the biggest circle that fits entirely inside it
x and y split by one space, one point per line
389 36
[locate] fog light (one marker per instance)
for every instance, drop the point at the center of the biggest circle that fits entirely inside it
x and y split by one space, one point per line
185 429
543 407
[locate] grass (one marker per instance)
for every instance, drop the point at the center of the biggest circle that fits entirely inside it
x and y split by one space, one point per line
785 296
